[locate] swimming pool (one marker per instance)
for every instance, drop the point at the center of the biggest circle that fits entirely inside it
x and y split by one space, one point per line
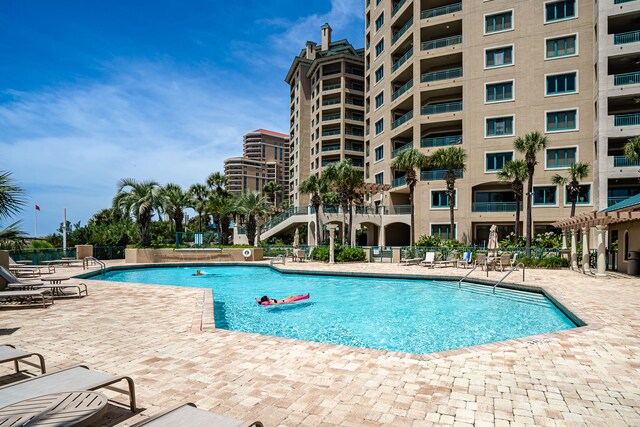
412 316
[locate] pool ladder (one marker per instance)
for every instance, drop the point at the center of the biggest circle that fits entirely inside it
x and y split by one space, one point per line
86 260
514 268
467 275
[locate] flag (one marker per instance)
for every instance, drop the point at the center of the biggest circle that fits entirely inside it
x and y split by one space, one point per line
37 207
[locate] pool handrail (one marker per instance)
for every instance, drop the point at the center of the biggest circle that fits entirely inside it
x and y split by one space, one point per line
468 274
514 268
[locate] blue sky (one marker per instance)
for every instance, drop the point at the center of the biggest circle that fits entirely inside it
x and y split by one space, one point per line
95 91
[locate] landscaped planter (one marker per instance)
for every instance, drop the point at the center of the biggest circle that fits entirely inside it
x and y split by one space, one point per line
150 255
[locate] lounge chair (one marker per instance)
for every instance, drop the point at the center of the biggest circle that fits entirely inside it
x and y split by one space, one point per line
411 261
481 260
428 260
77 378
9 353
447 261
15 284
42 296
14 264
188 415
465 261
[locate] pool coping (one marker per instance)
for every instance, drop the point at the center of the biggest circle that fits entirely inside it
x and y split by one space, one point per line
204 315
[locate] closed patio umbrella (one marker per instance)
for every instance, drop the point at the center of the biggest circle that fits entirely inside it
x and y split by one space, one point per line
296 239
492 245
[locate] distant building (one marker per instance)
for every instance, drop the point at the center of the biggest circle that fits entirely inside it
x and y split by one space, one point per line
265 158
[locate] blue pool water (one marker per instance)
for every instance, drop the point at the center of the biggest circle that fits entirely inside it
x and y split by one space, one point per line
413 316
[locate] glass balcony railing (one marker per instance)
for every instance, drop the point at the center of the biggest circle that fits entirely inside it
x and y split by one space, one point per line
405 87
623 162
632 119
357 148
357 102
330 132
331 117
355 132
401 31
494 207
438 174
356 86
440 141
441 107
397 7
439 43
626 79
439 11
331 87
354 117
397 210
331 102
399 150
622 1
435 76
330 148
399 182
328 162
402 60
628 37
405 118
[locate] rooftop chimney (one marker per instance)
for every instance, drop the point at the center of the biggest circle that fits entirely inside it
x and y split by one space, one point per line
326 36
311 50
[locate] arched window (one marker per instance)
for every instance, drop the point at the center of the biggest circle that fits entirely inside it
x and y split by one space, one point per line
626 244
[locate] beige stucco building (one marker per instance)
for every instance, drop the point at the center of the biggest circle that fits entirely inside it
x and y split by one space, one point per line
265 158
326 115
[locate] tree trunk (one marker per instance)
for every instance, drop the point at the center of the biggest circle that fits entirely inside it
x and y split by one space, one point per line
451 196
344 224
529 211
178 217
251 229
413 223
573 208
200 221
351 236
218 223
317 208
517 224
144 227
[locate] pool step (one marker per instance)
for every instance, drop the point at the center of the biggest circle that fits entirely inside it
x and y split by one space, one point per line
510 294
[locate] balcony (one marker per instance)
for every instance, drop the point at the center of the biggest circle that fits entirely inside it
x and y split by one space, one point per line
405 87
330 148
358 148
440 43
399 182
397 210
626 79
623 162
356 102
439 11
399 150
622 1
494 207
613 200
438 174
440 141
354 132
397 7
330 102
331 117
435 76
356 86
328 162
401 120
632 119
402 60
354 117
401 31
331 132
441 107
628 37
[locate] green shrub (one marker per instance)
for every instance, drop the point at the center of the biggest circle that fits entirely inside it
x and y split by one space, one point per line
430 241
41 244
551 262
350 255
320 253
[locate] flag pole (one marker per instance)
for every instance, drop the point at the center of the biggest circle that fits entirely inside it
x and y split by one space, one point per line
36 224
64 233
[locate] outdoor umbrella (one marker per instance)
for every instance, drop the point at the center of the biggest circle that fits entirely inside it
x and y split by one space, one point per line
296 239
492 245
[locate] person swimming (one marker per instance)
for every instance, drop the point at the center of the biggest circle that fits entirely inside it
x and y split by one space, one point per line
199 273
267 299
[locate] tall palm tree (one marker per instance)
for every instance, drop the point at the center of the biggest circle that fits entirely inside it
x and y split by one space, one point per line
529 145
222 206
316 187
632 149
12 197
139 199
515 172
272 188
199 193
450 159
346 180
217 181
174 201
408 161
576 172
253 207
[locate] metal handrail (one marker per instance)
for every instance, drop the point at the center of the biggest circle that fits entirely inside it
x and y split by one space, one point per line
514 268
467 275
85 263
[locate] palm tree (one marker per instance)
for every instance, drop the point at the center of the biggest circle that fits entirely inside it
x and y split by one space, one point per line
346 180
529 145
217 181
139 199
515 171
222 206
174 201
450 159
576 172
632 149
316 187
272 188
12 198
408 161
252 207
198 193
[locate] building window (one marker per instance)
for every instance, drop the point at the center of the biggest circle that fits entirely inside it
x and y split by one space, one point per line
379 100
379 153
544 195
380 48
558 121
562 46
561 157
557 10
380 21
561 83
444 231
379 126
379 177
495 161
498 92
500 126
499 22
584 195
499 57
379 73
440 200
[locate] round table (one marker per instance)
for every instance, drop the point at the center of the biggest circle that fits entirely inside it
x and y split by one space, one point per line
74 408
54 280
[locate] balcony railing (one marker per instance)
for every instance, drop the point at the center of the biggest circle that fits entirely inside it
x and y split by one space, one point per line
356 86
331 117
628 37
330 132
397 210
401 31
623 162
357 102
402 60
397 7
438 174
632 119
331 87
441 107
440 141
494 207
330 147
621 1
399 150
331 102
439 11
626 79
355 132
439 43
355 117
328 162
405 87
357 148
399 182
405 118
435 76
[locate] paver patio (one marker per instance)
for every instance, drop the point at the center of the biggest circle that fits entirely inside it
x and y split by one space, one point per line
153 333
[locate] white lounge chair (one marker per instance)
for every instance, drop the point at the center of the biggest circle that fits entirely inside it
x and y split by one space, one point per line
429 259
9 353
465 261
15 284
188 415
